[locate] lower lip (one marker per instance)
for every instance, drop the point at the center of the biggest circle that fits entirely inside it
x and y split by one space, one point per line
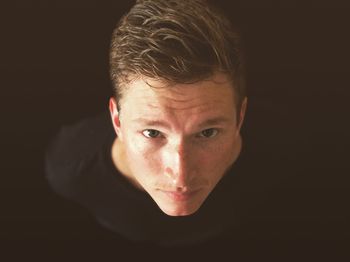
180 196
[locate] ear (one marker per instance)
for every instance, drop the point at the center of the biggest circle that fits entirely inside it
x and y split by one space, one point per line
242 113
115 117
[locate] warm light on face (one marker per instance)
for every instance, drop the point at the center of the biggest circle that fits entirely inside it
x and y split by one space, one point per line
179 140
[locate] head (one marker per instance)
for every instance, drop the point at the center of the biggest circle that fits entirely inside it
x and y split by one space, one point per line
179 100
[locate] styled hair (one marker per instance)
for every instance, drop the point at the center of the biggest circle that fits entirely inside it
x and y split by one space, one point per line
179 41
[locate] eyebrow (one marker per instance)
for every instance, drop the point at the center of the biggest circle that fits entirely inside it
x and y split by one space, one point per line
215 121
208 122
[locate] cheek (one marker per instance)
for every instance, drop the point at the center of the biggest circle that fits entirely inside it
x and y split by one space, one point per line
141 156
217 156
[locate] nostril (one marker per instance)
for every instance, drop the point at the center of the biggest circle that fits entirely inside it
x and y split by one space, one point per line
181 189
168 170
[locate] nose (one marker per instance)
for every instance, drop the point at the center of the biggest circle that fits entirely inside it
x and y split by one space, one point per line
178 166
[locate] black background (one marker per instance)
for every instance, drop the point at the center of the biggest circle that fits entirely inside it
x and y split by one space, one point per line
54 71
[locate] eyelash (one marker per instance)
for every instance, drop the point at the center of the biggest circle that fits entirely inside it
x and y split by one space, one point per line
214 129
143 132
198 135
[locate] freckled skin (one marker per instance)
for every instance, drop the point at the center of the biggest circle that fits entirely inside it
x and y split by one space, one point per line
180 158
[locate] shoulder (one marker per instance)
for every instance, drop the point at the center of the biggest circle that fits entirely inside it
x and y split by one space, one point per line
72 148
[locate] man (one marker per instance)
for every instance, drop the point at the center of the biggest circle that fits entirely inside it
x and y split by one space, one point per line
162 167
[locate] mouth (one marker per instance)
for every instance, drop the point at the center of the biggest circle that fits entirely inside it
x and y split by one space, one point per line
180 196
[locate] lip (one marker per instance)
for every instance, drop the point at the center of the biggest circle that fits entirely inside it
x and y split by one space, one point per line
180 196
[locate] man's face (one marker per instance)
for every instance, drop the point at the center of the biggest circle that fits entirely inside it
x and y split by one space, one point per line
178 141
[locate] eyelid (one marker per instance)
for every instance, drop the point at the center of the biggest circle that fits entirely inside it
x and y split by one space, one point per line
151 129
198 135
218 130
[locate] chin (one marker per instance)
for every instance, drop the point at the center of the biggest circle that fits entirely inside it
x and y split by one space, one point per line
174 205
177 211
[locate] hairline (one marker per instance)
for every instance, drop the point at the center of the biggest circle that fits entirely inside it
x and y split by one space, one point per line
123 86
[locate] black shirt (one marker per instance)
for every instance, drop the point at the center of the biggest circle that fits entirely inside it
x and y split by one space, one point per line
79 167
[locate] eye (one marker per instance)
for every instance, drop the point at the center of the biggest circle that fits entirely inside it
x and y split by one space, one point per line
151 133
208 133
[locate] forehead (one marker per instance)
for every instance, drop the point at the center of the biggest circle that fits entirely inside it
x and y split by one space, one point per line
214 97
153 93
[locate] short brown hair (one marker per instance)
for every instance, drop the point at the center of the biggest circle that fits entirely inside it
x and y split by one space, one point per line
180 41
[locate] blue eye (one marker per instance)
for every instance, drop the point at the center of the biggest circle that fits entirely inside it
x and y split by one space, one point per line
151 133
208 133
